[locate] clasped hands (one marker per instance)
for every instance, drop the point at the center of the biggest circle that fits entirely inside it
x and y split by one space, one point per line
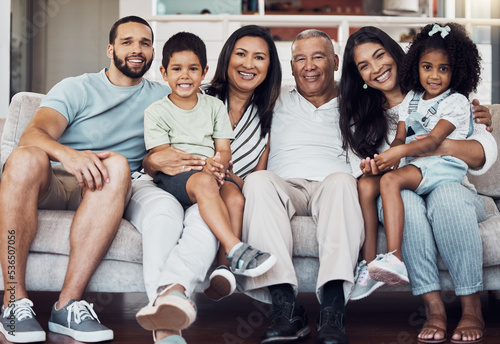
173 161
380 162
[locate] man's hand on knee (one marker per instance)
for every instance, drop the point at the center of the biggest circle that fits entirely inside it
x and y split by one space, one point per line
88 168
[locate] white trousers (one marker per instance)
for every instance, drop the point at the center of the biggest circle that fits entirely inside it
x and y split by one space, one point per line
270 204
178 247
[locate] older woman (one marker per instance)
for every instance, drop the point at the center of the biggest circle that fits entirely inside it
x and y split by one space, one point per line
178 247
370 73
247 79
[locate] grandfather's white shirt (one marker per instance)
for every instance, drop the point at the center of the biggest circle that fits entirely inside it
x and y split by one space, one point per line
305 140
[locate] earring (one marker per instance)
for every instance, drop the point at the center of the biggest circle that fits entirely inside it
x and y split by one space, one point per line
365 86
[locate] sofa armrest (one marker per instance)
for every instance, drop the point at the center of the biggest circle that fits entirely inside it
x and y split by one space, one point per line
21 111
489 183
2 123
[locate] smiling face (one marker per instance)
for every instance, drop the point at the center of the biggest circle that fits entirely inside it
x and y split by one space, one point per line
248 64
435 73
313 66
132 52
376 66
184 76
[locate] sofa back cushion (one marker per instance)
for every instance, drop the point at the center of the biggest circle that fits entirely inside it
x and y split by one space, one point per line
24 105
489 183
21 111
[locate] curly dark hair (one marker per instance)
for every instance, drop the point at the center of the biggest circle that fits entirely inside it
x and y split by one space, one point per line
464 58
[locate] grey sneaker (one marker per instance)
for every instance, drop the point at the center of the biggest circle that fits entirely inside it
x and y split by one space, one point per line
247 261
389 269
364 285
18 323
78 320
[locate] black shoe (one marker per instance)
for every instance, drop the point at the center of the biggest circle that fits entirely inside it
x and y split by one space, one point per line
288 323
330 327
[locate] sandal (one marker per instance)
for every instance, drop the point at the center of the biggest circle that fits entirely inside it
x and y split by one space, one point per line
247 261
434 318
460 329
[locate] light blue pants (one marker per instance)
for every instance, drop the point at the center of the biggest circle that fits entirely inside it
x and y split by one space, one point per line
444 221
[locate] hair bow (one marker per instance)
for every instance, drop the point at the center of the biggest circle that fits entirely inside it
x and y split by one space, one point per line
438 28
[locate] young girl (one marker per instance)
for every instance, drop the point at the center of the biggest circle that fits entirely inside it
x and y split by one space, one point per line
439 77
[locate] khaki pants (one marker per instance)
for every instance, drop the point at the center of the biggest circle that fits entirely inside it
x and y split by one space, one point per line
64 192
271 202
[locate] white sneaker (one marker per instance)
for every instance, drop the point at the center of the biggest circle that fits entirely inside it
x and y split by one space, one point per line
364 285
389 269
222 283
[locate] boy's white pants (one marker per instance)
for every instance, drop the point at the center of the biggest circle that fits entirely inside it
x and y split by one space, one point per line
178 247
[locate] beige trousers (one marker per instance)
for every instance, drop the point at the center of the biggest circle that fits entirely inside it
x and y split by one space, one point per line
271 202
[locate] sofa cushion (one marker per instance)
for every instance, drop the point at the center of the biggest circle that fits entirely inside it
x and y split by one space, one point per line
21 110
489 183
490 234
304 237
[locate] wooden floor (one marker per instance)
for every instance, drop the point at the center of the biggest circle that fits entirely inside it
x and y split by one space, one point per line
383 318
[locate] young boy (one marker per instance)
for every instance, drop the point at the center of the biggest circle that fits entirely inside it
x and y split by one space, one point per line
198 124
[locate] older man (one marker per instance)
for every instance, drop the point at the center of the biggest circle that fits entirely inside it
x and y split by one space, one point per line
308 174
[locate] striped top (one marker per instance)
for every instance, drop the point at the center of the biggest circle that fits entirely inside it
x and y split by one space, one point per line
248 145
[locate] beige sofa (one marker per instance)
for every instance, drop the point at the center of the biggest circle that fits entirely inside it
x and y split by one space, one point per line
121 269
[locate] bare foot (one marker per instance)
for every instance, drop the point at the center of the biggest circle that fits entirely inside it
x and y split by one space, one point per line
434 329
470 329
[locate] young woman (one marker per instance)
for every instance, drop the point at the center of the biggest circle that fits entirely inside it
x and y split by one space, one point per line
370 72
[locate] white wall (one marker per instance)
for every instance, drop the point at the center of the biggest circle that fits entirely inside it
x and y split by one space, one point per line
143 8
4 57
214 34
75 40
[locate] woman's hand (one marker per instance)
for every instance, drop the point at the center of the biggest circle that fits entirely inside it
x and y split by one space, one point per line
470 151
368 167
172 161
481 115
215 168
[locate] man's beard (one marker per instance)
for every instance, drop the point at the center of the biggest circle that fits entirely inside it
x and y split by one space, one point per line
123 67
